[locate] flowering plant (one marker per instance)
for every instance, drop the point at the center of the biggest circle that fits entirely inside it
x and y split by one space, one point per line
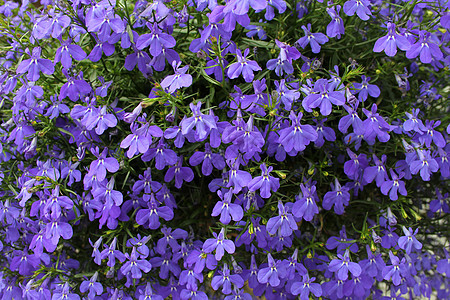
209 149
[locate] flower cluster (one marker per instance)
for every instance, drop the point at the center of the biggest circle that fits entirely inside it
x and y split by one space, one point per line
210 149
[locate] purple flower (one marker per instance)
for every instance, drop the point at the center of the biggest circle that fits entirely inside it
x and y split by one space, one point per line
101 121
360 7
426 165
394 186
395 270
241 7
244 66
305 205
432 135
375 126
150 216
63 293
272 273
426 48
413 123
265 183
209 159
156 40
409 240
102 163
284 223
284 61
220 244
163 156
225 280
391 41
342 265
181 173
297 136
336 27
112 254
339 197
148 294
203 123
91 285
135 266
305 287
364 88
67 51
314 39
35 65
226 209
323 96
180 79
443 265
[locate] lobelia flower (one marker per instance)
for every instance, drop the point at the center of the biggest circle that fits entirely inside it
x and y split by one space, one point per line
394 186
426 165
364 89
101 121
226 209
67 51
148 294
243 66
305 287
413 123
375 126
135 266
283 224
55 203
203 123
395 271
112 254
336 27
409 241
99 166
91 285
170 238
150 216
272 273
313 39
360 7
323 96
75 87
63 293
339 197
432 135
298 136
391 41
426 48
220 244
342 265
265 183
157 39
443 265
180 79
140 244
323 132
286 95
284 61
356 164
181 173
209 159
305 205
225 279
237 178
35 65
99 49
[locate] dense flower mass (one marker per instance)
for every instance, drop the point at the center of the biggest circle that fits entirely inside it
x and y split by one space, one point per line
224 149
